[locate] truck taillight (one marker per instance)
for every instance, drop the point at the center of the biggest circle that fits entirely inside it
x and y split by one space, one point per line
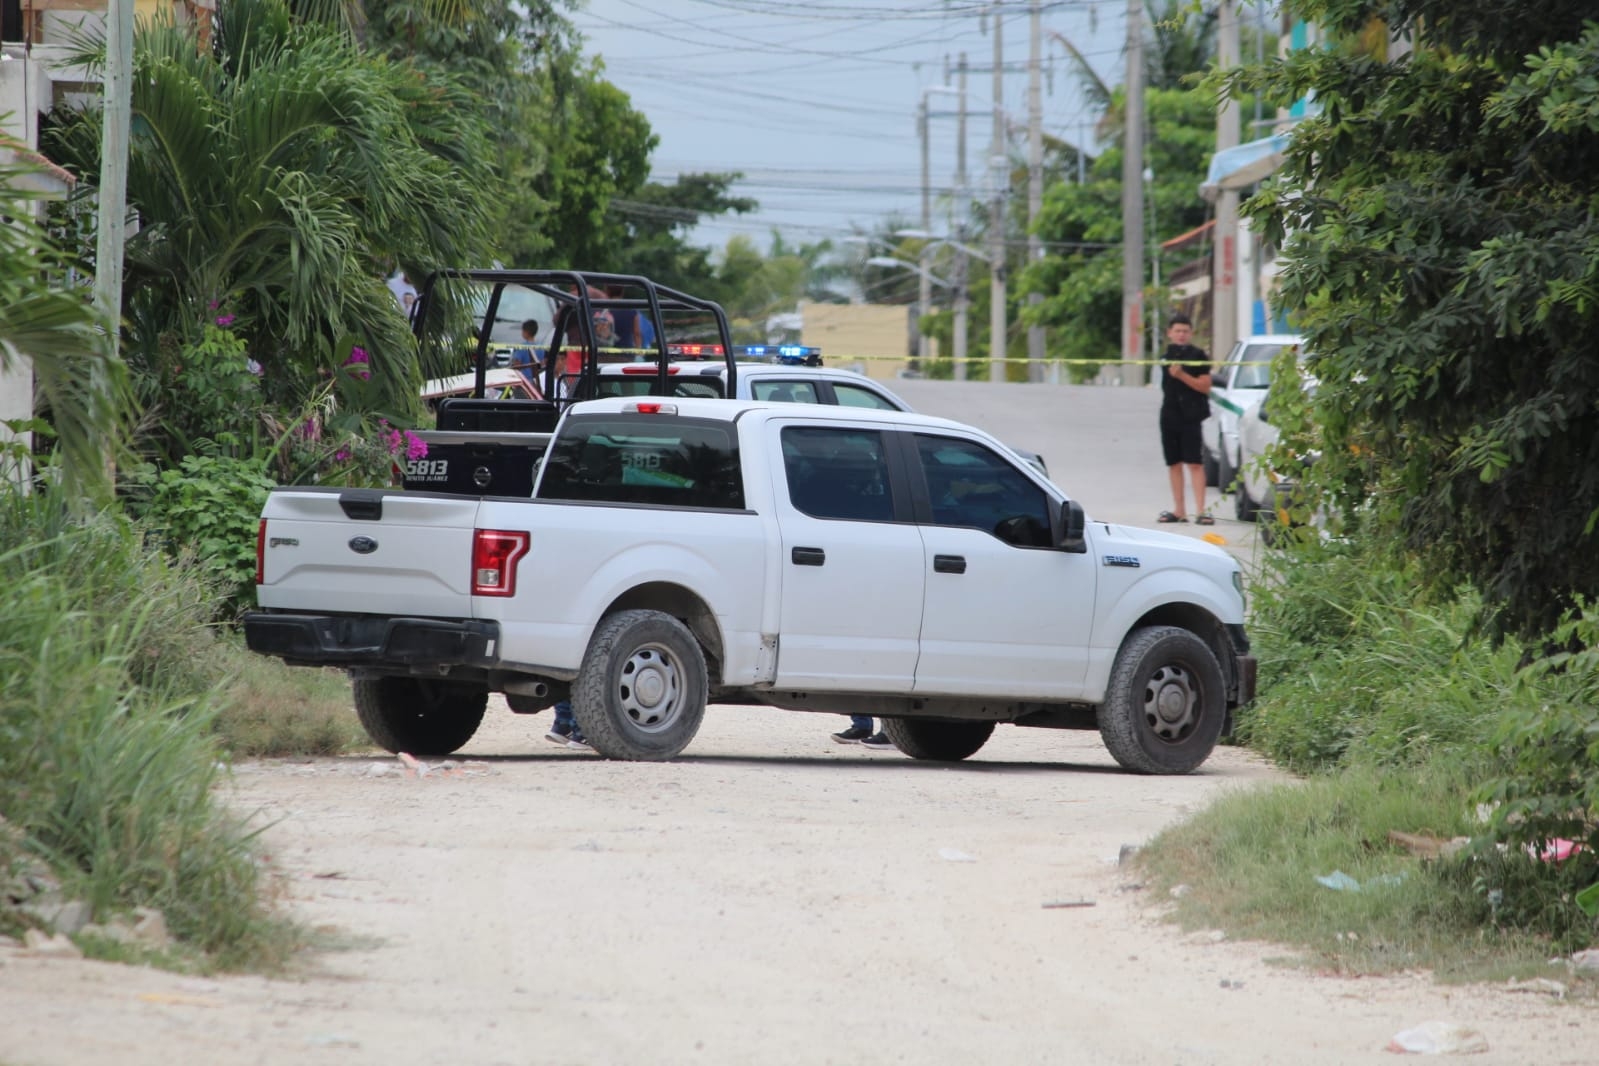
260 553
495 553
640 368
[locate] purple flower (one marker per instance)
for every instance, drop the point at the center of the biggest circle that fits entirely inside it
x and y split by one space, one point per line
415 447
224 320
358 360
342 455
213 305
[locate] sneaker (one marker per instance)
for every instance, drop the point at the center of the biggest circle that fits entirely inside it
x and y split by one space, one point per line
559 733
579 741
877 740
853 735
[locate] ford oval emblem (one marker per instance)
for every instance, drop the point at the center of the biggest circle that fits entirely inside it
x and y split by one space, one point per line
363 545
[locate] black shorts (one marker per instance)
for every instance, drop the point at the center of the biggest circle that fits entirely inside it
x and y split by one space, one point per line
1181 440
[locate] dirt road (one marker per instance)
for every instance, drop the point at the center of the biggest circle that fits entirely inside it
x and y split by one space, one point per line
769 897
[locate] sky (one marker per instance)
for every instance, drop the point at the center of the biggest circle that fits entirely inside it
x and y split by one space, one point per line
815 102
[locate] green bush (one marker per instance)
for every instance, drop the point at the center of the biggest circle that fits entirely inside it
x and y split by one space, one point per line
208 507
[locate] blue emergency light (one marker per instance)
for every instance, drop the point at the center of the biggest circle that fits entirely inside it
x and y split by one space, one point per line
792 354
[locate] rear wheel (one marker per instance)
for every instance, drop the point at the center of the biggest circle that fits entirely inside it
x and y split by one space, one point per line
1244 505
1226 472
419 716
640 693
1166 702
1212 467
938 739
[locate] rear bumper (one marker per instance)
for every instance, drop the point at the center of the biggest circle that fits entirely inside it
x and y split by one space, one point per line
371 640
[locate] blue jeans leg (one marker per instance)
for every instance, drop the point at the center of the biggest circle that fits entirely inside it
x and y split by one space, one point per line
860 721
563 714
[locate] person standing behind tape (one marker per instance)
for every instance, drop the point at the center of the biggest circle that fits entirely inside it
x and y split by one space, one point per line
1185 404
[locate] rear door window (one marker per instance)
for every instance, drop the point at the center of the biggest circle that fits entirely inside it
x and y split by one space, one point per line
778 391
838 473
645 459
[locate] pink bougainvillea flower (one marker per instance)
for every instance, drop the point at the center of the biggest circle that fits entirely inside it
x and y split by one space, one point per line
342 455
213 305
415 447
224 320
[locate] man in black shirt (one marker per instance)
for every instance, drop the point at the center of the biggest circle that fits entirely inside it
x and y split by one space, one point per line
1185 404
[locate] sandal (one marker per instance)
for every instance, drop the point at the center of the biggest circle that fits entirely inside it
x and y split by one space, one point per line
1167 516
1205 520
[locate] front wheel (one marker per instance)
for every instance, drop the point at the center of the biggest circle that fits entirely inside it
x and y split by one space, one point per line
640 693
938 739
419 716
1166 703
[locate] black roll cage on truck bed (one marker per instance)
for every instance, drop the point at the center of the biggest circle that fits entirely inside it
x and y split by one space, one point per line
488 446
572 293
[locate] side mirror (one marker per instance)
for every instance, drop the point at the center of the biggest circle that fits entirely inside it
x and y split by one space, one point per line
1219 377
1072 522
1265 414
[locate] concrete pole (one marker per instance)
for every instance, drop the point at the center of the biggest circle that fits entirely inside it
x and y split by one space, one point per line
962 299
1133 200
924 292
1035 183
998 166
1224 324
113 205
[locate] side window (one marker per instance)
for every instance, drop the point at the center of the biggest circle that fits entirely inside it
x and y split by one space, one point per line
856 396
973 486
784 391
838 473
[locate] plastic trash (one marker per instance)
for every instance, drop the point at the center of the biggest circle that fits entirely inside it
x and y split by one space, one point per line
1439 1038
1339 881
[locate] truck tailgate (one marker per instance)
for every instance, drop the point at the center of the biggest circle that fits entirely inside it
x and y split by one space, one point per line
367 550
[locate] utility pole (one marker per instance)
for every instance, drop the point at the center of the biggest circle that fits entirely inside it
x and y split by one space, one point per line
1133 200
1000 169
111 219
1224 326
1035 184
962 300
924 292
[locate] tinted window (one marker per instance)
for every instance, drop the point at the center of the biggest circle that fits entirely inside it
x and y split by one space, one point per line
970 485
856 396
784 391
645 459
838 473
644 385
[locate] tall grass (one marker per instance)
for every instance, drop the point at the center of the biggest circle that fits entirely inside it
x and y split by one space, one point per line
1405 717
108 755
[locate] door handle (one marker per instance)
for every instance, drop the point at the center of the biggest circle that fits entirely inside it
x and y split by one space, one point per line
949 564
808 556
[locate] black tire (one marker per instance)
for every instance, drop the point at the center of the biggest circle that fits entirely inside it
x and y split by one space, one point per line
1212 467
1226 472
419 716
640 693
1244 506
1166 704
938 739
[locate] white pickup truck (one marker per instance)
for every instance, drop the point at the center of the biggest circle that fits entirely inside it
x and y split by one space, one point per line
677 551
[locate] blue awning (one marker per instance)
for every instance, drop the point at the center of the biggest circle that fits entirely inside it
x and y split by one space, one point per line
1240 167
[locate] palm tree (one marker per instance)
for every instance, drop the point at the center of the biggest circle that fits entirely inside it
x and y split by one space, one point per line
275 176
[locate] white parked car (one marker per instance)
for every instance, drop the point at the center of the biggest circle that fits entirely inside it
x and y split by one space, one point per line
1237 387
1264 488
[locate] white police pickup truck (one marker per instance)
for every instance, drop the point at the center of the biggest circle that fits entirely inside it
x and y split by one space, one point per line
677 551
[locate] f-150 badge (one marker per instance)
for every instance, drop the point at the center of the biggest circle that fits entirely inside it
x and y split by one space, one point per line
1122 560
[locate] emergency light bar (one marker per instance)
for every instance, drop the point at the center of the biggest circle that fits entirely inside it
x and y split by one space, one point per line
791 354
695 351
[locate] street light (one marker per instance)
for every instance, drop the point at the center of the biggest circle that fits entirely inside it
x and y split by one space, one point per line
962 297
888 261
